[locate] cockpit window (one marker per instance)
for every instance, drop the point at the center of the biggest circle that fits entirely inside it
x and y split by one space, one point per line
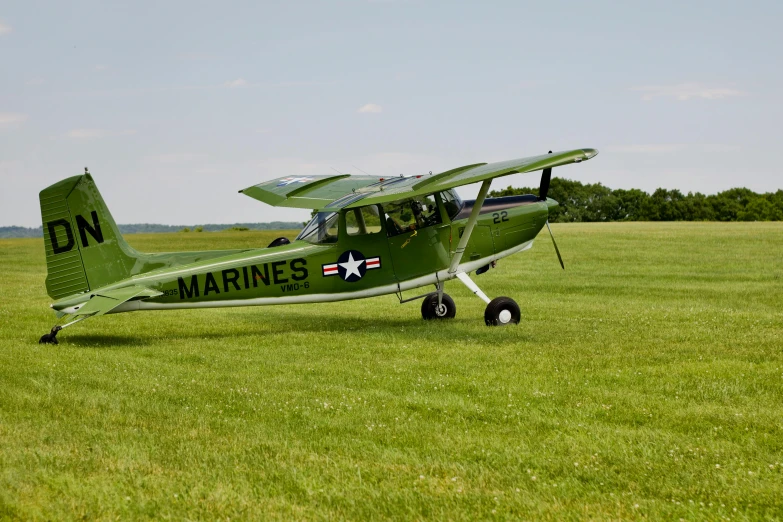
411 214
452 202
321 229
364 220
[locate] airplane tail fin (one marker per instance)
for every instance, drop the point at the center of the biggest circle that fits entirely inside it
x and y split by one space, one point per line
84 247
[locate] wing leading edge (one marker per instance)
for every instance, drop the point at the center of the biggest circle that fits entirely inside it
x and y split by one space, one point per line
346 191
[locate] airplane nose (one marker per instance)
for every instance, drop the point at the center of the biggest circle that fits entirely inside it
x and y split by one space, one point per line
551 203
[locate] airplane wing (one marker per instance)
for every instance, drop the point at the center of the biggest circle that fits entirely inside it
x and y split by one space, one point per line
346 191
313 192
104 302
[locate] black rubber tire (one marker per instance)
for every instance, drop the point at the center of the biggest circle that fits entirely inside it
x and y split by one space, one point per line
494 313
429 307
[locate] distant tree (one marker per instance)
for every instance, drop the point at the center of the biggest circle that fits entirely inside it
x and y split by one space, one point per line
697 207
665 205
760 209
629 205
512 191
729 203
776 199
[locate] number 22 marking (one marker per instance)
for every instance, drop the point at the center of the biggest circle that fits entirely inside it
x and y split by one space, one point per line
497 217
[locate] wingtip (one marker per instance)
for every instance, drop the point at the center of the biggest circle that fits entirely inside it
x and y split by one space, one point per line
590 153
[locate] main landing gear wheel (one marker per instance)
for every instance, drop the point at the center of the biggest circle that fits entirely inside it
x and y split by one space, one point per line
502 311
431 310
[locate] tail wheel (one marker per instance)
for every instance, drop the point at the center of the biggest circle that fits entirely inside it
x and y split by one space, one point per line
431 310
502 311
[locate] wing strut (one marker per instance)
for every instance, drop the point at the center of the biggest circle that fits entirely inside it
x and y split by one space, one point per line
463 243
474 214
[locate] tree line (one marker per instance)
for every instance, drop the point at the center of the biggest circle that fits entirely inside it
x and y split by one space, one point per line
586 202
152 228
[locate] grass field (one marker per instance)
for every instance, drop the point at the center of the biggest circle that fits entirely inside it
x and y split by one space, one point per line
645 381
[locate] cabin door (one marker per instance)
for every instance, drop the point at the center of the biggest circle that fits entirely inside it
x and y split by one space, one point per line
419 240
364 261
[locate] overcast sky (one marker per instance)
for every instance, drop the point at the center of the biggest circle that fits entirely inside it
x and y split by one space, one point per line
174 106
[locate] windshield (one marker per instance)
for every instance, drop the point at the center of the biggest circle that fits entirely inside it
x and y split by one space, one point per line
452 202
321 229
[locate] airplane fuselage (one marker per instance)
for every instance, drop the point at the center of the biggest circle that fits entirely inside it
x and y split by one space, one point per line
352 267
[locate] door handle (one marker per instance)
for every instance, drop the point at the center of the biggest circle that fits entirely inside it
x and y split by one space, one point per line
415 233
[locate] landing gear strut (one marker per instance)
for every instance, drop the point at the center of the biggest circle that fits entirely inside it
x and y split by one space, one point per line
500 311
51 337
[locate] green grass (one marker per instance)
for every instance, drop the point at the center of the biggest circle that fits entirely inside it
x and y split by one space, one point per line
645 381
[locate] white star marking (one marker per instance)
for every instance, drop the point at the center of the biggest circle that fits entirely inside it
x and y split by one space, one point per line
352 267
288 181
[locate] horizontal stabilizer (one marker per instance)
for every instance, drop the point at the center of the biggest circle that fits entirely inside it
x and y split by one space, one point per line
104 302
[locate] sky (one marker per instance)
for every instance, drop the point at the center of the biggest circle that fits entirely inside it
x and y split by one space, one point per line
175 106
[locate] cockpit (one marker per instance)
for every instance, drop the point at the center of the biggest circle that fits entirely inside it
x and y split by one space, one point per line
393 218
411 214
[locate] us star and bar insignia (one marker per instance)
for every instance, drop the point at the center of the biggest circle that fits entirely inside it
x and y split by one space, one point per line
287 181
351 266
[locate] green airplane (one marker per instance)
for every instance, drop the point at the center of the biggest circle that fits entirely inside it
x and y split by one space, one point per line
369 236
